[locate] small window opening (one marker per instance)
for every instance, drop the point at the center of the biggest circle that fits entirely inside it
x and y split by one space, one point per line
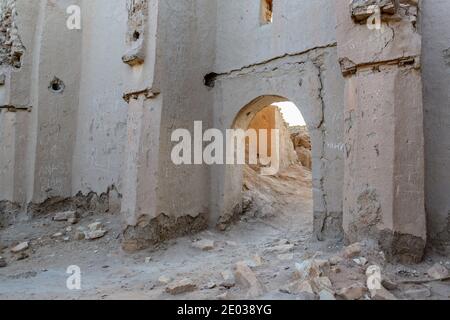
266 11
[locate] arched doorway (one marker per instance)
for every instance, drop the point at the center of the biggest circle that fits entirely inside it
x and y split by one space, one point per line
286 193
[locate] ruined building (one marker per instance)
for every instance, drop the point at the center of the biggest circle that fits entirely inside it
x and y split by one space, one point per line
87 113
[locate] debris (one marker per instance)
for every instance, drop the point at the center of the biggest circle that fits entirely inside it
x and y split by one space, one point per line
80 234
307 270
352 251
389 284
72 220
211 285
22 256
95 226
57 235
438 272
245 277
20 247
335 260
354 292
417 293
298 287
322 283
204 245
148 260
229 280
181 286
283 248
3 262
96 231
164 280
65 216
97 234
360 261
255 262
223 296
382 294
326 295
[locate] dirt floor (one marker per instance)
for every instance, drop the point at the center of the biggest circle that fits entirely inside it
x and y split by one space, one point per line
273 239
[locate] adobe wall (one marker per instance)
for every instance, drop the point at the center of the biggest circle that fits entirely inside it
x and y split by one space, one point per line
435 28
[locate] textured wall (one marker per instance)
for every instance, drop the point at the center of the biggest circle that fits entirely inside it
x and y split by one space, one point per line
436 81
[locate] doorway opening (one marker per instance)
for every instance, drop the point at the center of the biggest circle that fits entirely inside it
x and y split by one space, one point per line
285 197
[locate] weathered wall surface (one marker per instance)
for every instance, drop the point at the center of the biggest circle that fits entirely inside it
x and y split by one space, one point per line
243 41
436 81
384 167
177 200
44 90
102 113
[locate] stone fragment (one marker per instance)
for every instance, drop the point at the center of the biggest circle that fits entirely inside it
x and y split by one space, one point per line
164 280
326 295
299 286
307 270
438 272
354 292
57 235
335 260
181 286
360 261
229 280
382 294
417 293
22 256
65 216
280 249
97 234
223 296
3 262
80 234
20 247
210 285
389 284
96 231
204 245
73 220
247 278
352 251
322 283
254 262
95 226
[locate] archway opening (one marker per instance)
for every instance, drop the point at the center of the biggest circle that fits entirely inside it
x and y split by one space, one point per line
285 195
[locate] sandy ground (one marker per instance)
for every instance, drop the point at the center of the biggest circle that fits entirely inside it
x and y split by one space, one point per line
281 213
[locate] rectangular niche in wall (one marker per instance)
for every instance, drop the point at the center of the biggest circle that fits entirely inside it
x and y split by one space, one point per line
266 11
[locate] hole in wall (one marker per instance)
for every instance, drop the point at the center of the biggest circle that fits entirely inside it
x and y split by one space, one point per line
136 36
210 79
56 85
266 11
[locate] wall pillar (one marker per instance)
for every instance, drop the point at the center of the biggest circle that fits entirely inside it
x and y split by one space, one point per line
379 51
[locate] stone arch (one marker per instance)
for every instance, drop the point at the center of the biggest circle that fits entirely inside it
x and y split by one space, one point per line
313 82
233 174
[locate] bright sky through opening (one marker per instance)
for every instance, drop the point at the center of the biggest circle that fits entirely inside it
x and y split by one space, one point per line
291 113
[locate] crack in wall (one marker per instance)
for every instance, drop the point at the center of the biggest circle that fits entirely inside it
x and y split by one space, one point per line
210 78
